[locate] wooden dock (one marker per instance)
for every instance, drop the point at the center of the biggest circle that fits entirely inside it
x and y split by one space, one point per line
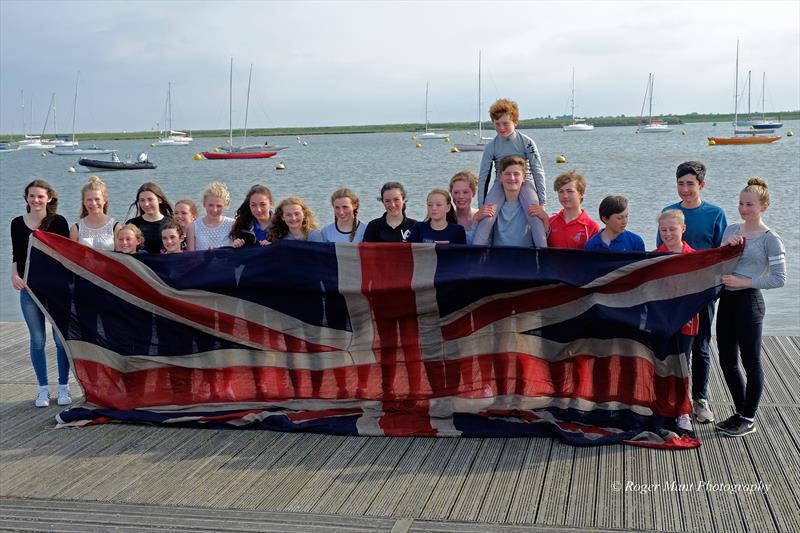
142 478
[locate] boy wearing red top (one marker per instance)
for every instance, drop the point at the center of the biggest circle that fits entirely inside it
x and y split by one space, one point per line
571 227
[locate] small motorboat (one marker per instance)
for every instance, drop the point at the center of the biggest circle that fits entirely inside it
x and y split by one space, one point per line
141 163
94 149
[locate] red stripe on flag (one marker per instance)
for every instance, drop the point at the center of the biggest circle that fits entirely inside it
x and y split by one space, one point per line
120 275
396 343
628 380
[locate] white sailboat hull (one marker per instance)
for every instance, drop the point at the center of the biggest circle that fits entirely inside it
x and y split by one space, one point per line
35 146
172 142
430 135
578 127
655 128
79 151
470 147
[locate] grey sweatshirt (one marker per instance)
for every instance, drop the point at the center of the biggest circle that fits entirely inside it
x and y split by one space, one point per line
517 144
763 260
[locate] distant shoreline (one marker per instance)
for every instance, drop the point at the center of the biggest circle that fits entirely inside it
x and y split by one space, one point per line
531 123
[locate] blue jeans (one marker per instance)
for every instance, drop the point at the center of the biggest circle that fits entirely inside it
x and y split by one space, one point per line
701 355
34 318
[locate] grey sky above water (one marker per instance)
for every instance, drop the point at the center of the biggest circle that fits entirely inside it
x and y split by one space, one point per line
341 63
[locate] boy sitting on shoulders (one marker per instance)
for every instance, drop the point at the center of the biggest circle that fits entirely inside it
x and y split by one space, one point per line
509 142
614 237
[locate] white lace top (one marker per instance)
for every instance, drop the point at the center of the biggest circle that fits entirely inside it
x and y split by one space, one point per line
206 238
101 238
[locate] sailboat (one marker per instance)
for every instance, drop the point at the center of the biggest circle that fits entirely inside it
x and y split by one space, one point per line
429 134
59 141
747 126
578 124
751 136
765 123
230 151
653 125
480 145
72 149
171 137
29 142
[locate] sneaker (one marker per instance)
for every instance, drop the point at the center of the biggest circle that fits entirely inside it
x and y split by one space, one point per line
744 427
43 399
63 395
702 412
729 423
684 422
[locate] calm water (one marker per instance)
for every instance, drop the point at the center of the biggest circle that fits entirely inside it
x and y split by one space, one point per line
614 160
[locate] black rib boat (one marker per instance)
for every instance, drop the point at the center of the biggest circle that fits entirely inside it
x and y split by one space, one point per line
116 164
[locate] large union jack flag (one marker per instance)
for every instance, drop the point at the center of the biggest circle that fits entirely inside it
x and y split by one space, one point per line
381 339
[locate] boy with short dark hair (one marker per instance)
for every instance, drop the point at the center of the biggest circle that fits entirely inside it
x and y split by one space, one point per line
509 142
705 224
614 237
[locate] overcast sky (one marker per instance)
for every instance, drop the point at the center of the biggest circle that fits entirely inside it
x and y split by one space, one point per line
340 63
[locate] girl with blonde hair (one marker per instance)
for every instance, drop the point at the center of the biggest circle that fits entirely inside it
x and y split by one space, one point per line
214 229
293 220
440 226
94 227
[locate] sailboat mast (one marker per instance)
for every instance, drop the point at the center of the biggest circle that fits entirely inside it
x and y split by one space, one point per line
652 84
247 106
230 108
572 99
55 120
480 124
75 105
763 86
169 107
47 118
749 72
426 107
736 90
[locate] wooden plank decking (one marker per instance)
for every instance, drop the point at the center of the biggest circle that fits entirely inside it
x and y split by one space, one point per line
133 478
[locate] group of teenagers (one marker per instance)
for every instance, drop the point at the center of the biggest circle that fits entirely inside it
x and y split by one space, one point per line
510 213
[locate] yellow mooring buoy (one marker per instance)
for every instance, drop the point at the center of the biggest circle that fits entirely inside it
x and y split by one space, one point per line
561 158
198 157
454 150
280 166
